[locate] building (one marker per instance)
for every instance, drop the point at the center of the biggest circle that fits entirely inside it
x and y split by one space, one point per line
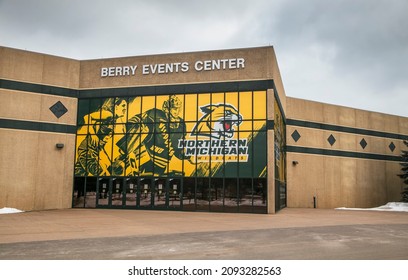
199 131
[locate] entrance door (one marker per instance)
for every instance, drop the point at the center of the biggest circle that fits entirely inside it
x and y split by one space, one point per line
160 195
175 193
203 194
103 192
143 192
132 194
117 193
145 189
189 194
167 193
110 192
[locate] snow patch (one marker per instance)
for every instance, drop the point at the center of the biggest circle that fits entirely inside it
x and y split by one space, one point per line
7 210
390 206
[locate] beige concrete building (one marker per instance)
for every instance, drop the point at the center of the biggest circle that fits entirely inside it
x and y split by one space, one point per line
200 131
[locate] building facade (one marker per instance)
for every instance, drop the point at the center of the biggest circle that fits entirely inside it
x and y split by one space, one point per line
200 131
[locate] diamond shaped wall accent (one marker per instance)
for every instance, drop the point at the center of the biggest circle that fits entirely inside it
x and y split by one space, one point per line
392 147
295 135
363 143
58 109
331 140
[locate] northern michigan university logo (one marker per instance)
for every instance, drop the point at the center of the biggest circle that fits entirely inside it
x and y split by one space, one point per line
213 136
217 121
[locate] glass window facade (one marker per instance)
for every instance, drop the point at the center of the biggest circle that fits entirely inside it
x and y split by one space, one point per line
197 151
280 158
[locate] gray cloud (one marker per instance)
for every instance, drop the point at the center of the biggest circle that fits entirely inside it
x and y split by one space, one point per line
348 52
344 52
366 36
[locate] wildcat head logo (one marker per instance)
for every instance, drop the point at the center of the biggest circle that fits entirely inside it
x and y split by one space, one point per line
218 121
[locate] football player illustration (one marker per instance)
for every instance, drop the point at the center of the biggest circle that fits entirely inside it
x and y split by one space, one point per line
151 139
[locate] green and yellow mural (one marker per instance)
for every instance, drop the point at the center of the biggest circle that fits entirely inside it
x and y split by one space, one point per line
190 135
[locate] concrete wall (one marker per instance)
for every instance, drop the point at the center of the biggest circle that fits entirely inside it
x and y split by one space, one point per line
259 65
38 68
34 174
350 178
271 153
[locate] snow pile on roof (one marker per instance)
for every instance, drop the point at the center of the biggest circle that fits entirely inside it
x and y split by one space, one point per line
390 206
6 210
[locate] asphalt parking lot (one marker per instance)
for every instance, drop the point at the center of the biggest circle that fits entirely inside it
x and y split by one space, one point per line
292 234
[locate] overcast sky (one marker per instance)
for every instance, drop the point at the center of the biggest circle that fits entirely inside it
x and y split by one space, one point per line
351 52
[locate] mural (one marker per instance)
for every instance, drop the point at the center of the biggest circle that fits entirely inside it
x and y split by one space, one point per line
210 134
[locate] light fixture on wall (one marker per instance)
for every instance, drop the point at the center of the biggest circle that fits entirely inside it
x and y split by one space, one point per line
59 145
295 162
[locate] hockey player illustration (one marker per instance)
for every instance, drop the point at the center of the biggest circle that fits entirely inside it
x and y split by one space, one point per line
113 108
151 139
91 151
92 157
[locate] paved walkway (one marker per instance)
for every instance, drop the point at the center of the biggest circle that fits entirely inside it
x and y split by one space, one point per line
134 234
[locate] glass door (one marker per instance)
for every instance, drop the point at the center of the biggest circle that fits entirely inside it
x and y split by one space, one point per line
188 196
117 192
160 198
203 194
104 191
145 189
132 192
175 193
